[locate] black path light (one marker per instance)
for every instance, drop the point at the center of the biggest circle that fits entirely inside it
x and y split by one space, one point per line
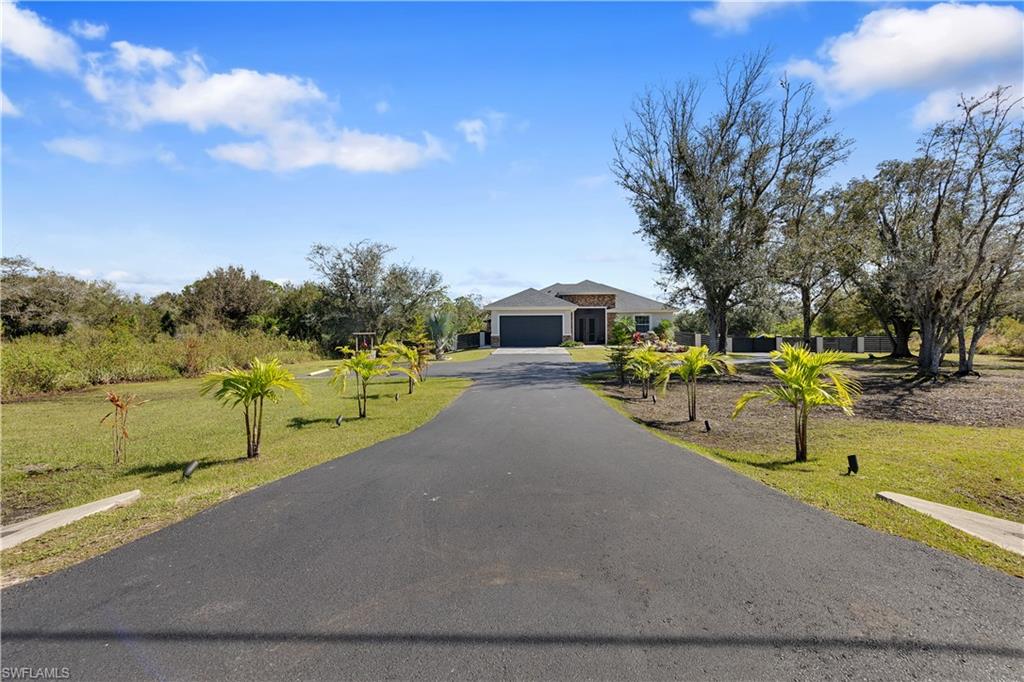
341 418
190 469
396 397
707 426
852 461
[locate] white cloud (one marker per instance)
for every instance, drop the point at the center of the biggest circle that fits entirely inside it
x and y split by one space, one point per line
479 131
732 16
136 57
383 106
298 147
285 120
7 107
86 149
939 46
475 132
89 30
29 37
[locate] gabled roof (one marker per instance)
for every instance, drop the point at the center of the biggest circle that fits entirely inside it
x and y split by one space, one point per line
531 298
625 302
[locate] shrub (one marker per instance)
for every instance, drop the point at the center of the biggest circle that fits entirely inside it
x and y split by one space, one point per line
570 344
622 331
664 330
85 357
1005 338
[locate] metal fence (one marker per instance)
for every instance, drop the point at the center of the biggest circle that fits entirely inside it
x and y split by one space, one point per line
765 344
472 340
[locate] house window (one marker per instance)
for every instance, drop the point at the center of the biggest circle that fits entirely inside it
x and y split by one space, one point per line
643 323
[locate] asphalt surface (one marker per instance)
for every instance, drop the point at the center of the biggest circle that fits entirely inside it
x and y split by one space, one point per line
529 531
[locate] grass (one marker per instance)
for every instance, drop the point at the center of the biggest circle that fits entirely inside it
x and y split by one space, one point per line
589 354
975 468
468 355
175 428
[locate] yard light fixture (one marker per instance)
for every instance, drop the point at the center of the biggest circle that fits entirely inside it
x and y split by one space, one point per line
852 460
707 426
190 469
341 418
396 397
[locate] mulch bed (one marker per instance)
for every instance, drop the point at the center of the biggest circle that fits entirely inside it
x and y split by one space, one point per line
889 393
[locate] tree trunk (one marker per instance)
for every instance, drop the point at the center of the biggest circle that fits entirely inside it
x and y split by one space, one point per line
691 399
805 311
900 337
801 456
961 347
933 348
248 434
967 363
410 385
717 326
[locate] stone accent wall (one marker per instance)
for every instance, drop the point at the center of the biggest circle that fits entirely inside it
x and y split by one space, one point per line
590 300
566 337
495 341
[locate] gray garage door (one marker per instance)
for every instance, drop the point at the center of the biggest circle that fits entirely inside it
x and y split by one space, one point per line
525 331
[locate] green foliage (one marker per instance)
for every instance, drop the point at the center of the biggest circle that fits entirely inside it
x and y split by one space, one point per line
644 364
227 297
622 331
1005 338
250 388
441 326
664 330
618 356
411 355
469 314
807 381
688 366
84 357
365 365
362 292
570 344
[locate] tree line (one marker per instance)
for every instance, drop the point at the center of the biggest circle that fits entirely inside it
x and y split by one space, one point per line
738 206
357 289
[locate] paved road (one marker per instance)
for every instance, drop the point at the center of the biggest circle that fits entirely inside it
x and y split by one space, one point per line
529 531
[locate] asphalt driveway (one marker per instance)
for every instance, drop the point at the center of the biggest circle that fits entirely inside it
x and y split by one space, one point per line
529 531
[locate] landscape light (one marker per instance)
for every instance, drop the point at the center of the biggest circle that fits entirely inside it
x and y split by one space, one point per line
707 426
852 459
337 422
190 469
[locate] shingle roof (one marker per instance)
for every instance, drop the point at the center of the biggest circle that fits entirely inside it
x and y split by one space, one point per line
531 298
625 302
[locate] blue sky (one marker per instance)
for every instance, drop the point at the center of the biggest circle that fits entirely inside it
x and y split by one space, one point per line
149 143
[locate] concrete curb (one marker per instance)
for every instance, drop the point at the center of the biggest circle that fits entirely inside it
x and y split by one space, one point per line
1007 534
19 532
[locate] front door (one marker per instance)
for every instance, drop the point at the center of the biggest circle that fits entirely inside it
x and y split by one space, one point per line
590 326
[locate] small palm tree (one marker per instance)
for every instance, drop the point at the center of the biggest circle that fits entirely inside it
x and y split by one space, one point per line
807 381
688 366
441 325
250 388
411 354
365 365
644 364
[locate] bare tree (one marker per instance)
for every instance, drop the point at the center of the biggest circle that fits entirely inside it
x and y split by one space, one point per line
707 195
950 221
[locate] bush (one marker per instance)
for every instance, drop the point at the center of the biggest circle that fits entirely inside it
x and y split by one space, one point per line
88 357
623 330
1006 337
664 330
570 344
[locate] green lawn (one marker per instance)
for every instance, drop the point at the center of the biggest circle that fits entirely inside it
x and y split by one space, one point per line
176 427
469 355
976 468
589 354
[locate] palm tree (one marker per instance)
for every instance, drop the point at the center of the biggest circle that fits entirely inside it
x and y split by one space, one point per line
417 360
441 325
644 364
688 366
365 365
807 381
251 388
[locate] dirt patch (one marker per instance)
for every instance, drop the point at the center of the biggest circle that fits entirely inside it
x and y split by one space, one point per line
890 394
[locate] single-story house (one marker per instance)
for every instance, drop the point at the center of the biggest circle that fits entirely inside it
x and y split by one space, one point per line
583 312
